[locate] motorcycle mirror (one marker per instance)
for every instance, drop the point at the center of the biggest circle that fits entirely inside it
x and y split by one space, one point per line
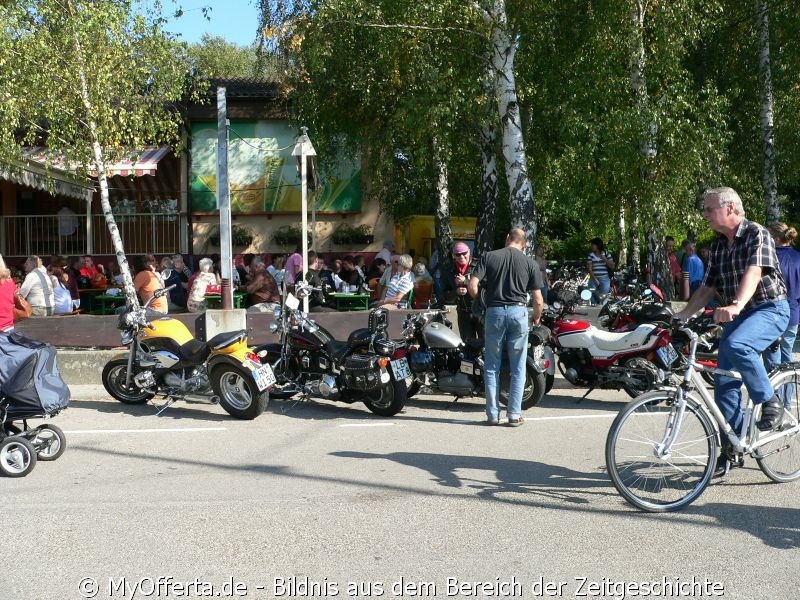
586 295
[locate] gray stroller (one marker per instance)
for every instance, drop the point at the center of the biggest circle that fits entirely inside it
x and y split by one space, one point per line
31 387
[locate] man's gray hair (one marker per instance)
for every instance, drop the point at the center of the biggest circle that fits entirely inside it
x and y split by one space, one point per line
177 257
726 195
206 264
406 261
256 262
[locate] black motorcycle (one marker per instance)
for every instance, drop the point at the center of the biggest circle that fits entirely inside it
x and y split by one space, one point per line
308 361
441 360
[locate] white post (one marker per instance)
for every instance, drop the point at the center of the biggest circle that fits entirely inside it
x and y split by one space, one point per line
224 199
304 149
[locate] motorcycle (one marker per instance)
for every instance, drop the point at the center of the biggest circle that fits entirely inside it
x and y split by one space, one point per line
368 367
634 361
442 361
164 359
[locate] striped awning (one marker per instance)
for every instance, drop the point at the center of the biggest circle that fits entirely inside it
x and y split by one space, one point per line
143 161
33 171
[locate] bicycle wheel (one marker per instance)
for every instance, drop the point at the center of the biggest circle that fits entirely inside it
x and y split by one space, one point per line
780 458
660 483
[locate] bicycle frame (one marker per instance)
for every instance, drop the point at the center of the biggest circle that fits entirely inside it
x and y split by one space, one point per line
748 439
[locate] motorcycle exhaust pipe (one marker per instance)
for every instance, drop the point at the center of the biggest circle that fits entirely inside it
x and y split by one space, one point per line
200 399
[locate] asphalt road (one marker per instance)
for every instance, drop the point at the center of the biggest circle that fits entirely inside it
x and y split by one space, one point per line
326 500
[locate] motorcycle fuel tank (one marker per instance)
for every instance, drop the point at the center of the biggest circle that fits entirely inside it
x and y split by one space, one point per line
438 335
572 333
167 328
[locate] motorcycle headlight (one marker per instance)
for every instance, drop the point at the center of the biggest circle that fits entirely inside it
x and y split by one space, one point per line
127 338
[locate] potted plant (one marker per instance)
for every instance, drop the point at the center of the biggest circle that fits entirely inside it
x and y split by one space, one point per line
241 236
287 235
343 234
363 234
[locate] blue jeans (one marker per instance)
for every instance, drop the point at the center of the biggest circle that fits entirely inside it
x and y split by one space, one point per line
603 287
505 327
740 348
787 345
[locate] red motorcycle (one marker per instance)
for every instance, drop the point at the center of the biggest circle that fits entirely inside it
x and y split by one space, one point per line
635 361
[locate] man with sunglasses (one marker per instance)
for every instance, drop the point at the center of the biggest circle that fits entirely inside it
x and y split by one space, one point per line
469 327
508 276
743 266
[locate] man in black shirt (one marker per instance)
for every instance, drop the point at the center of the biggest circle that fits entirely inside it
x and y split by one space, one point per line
509 275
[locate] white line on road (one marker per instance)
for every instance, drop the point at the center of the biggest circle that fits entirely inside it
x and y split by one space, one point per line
367 424
532 419
172 430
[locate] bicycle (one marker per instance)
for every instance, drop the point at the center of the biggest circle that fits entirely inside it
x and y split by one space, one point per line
661 449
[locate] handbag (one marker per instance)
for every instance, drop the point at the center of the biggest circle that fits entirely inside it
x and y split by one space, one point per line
22 308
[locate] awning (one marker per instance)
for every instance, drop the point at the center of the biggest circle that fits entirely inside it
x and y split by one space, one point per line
143 161
32 172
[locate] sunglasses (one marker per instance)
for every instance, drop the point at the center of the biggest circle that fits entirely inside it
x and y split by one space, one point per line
461 253
395 262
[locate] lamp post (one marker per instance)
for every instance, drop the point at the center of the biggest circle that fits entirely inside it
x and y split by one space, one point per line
303 150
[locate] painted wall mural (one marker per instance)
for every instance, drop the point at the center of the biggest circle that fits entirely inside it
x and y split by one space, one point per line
262 171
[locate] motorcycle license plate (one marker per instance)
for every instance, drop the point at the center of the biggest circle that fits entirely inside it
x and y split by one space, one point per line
667 354
264 377
400 368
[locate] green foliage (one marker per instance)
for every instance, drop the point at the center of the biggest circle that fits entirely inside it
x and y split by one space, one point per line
214 57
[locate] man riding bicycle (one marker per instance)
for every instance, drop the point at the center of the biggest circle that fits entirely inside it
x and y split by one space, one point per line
743 267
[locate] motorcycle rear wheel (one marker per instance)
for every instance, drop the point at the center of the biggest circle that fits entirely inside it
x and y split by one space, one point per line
238 393
388 400
114 375
533 392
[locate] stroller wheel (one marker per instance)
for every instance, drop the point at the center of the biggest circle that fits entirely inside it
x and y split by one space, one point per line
49 442
17 457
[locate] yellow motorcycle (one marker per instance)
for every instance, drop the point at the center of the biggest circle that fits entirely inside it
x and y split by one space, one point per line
164 359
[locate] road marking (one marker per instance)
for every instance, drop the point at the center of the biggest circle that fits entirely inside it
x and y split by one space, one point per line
531 419
172 430
367 424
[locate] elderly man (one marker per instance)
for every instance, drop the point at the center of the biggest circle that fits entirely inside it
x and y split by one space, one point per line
508 276
263 290
743 266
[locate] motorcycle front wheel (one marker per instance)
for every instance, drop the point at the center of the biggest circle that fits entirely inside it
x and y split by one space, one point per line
389 399
114 376
238 393
533 392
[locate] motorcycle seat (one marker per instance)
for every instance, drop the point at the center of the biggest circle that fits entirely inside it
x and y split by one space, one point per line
612 341
221 340
194 352
337 349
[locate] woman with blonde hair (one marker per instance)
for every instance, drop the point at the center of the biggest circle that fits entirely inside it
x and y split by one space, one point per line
7 291
789 258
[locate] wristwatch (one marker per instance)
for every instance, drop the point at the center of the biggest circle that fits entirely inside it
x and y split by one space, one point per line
736 302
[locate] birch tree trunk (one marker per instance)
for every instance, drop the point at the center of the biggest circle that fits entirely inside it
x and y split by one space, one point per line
769 177
622 238
490 192
657 259
99 163
442 224
636 236
521 200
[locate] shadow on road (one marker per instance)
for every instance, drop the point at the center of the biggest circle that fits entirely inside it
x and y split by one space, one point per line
512 476
178 411
778 527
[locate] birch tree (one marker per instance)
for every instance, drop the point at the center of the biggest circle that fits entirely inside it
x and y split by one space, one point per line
769 178
94 80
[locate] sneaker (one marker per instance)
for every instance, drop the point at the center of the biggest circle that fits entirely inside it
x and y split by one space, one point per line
515 421
771 414
492 422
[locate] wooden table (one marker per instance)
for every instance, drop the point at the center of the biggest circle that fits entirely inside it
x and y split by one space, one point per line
352 301
215 300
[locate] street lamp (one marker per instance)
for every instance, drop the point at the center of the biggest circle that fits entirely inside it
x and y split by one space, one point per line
304 151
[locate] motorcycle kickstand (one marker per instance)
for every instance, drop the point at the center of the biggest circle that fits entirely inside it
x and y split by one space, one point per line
453 403
160 409
582 398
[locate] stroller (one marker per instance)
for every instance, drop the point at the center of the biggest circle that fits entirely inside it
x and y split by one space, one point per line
30 387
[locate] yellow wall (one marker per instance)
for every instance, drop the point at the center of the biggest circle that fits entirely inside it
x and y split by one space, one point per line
418 232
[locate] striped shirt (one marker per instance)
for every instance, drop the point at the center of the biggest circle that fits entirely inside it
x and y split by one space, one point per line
752 246
599 266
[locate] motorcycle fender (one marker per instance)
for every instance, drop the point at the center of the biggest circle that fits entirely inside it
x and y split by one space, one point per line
237 359
121 355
